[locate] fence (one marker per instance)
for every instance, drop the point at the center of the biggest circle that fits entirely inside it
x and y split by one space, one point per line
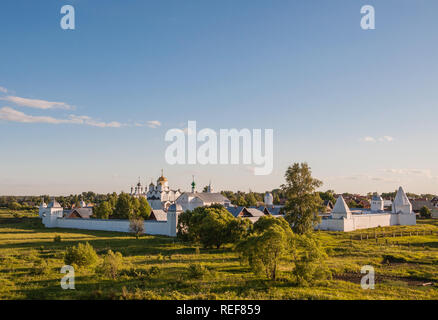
393 234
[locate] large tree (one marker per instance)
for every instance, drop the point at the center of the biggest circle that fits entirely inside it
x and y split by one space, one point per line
124 208
144 210
303 203
271 241
211 226
103 210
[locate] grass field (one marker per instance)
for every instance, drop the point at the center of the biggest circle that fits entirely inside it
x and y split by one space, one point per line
402 265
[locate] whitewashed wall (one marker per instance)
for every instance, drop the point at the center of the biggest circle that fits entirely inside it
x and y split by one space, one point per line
367 221
151 227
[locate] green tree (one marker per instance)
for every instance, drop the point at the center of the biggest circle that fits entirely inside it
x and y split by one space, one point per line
112 198
276 199
14 205
135 207
353 204
211 226
144 210
250 199
263 251
240 201
425 212
302 201
124 208
309 258
103 210
111 264
83 255
329 195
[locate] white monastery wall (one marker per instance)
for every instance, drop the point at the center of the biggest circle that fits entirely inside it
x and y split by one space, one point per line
151 227
367 221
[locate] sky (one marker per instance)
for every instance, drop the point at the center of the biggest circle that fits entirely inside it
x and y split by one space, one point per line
88 109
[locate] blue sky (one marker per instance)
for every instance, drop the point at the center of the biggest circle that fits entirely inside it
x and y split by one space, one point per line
359 106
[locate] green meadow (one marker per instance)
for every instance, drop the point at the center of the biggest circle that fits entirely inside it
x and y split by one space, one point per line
406 266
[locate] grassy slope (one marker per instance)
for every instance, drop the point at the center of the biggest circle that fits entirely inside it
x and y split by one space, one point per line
24 242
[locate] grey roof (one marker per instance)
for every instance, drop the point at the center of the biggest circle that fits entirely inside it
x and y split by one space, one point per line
418 204
209 197
84 213
253 212
158 215
235 211
273 210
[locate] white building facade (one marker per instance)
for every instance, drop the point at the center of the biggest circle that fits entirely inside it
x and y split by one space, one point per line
160 196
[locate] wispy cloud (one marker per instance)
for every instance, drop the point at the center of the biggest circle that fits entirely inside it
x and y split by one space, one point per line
418 172
378 139
12 115
369 139
3 90
153 124
36 103
386 139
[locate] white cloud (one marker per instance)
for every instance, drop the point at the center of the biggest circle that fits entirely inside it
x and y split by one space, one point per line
36 103
12 115
418 172
369 139
153 124
380 139
4 90
386 139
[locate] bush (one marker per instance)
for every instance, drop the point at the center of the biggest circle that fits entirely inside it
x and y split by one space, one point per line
425 213
57 238
152 272
40 268
389 258
83 255
211 226
272 241
310 260
111 264
196 271
136 226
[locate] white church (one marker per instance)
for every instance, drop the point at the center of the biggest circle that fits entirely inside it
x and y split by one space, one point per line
342 218
160 196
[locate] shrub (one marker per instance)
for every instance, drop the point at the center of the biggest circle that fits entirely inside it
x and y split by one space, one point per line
111 264
136 226
271 242
389 258
211 226
83 255
141 274
196 271
57 238
40 268
425 213
310 260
